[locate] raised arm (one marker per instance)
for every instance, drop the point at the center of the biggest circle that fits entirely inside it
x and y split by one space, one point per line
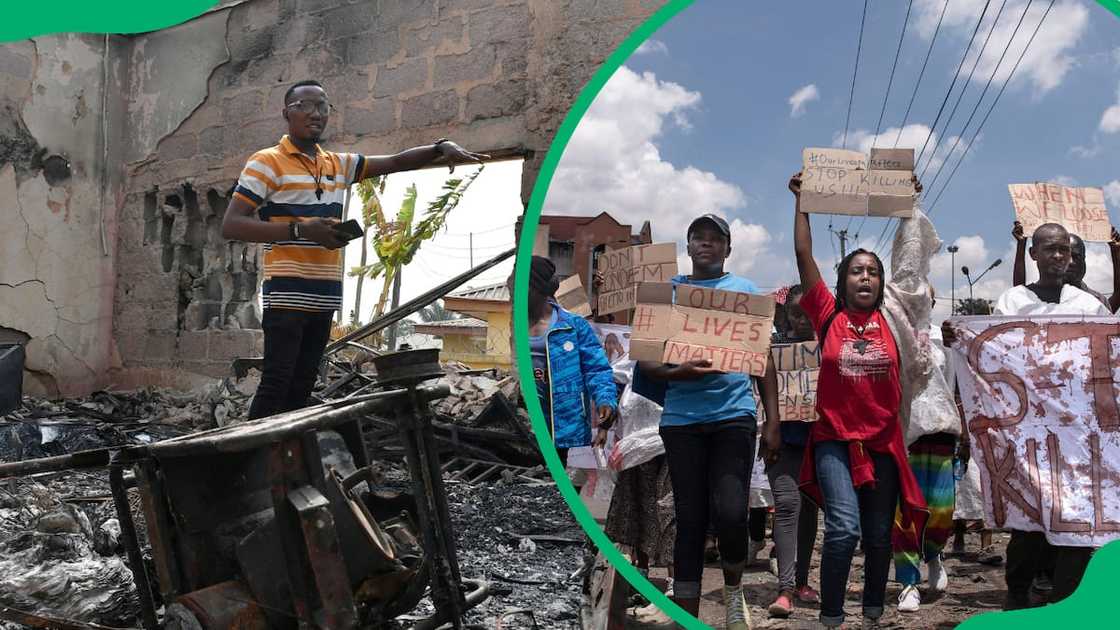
803 239
443 151
1114 249
1019 271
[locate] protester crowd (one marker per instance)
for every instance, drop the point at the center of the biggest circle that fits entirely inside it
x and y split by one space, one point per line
884 466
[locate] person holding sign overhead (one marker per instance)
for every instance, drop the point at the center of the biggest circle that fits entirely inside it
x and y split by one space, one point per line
708 427
1075 275
873 368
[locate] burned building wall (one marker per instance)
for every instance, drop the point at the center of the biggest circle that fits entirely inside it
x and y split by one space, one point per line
58 95
496 75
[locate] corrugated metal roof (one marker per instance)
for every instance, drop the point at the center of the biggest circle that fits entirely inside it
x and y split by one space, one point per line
495 292
459 322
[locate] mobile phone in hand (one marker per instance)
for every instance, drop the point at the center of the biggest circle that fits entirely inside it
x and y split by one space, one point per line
349 230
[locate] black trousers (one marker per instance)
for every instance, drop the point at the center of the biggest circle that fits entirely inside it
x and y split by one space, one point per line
293 348
709 462
1025 552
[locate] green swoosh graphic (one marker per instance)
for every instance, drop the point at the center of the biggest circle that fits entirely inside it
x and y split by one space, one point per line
105 16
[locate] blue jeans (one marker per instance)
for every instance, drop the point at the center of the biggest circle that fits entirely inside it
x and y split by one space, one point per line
848 514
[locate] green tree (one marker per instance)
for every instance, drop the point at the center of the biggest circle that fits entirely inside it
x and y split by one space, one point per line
396 242
974 306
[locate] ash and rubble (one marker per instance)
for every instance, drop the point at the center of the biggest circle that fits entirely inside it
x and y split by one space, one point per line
60 548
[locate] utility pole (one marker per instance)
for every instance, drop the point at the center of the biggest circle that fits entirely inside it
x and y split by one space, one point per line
395 304
843 236
471 241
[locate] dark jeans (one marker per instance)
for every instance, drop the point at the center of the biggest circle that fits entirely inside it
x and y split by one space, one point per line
711 459
849 514
293 348
795 519
1025 552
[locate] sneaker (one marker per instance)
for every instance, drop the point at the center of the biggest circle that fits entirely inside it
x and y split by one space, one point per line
668 587
753 549
989 555
782 607
909 600
806 594
870 622
653 616
938 575
738 617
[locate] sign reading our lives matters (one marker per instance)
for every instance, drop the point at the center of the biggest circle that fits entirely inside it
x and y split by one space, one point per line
1079 210
730 329
623 269
1040 399
838 181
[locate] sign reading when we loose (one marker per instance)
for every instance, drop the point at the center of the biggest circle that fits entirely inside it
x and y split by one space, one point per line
730 329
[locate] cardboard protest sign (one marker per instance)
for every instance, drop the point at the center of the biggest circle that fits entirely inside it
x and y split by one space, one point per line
798 366
572 297
541 240
1079 210
623 269
1040 400
730 329
838 181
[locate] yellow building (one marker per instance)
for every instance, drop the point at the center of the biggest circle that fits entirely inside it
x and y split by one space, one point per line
481 339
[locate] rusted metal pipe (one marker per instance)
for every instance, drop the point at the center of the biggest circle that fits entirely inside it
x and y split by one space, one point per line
135 558
98 458
480 590
35 620
417 303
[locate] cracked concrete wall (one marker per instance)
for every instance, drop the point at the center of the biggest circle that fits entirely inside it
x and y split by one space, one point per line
495 75
57 271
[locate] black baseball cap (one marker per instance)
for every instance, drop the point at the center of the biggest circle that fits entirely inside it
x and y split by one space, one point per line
720 224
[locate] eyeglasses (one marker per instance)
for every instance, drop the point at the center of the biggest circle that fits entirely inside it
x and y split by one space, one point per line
306 107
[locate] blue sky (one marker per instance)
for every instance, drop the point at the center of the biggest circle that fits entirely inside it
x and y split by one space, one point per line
712 113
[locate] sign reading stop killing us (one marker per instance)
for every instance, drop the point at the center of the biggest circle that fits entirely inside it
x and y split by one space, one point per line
1079 210
728 328
838 181
622 270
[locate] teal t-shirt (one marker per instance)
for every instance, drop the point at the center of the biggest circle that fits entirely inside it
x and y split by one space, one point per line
716 397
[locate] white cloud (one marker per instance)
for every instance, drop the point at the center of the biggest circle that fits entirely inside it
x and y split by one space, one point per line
612 164
1112 192
1110 119
912 136
974 253
1046 62
1064 180
801 98
652 46
1086 152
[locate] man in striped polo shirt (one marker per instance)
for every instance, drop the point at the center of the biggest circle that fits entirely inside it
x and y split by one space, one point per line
291 197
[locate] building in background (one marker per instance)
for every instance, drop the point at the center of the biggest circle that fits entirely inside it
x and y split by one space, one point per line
481 339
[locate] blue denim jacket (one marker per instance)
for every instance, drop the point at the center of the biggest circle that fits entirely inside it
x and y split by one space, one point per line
580 378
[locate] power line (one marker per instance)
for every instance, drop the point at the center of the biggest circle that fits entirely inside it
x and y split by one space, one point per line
932 41
852 93
855 71
993 106
967 82
887 96
953 83
880 240
984 92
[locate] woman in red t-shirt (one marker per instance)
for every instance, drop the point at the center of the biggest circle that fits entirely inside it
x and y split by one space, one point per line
855 463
